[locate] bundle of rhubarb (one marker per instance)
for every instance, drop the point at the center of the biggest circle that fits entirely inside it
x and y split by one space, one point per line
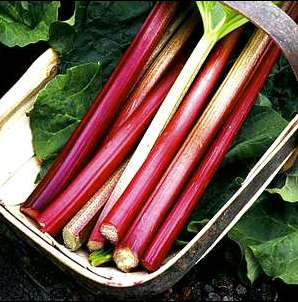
135 168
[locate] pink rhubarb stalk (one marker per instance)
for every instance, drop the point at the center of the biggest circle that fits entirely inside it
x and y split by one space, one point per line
106 160
96 122
143 226
167 145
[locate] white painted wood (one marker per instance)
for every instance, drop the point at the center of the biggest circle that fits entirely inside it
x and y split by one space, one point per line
35 77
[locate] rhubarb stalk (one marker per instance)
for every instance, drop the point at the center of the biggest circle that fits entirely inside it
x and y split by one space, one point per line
155 72
106 160
171 228
96 240
174 179
152 76
97 120
218 21
167 145
77 231
178 19
98 258
177 218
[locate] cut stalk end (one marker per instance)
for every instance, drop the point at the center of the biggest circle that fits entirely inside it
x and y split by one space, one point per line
72 242
109 232
95 246
125 259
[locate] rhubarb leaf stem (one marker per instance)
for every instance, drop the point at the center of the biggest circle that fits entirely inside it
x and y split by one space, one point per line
100 257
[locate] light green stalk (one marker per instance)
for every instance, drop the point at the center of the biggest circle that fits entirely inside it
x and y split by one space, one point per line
100 257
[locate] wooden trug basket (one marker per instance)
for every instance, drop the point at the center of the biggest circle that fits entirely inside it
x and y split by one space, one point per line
19 168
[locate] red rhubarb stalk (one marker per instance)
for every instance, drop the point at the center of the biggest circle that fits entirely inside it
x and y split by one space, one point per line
153 75
159 67
97 120
172 28
106 160
170 140
218 21
159 158
96 241
77 231
148 82
174 179
177 218
171 228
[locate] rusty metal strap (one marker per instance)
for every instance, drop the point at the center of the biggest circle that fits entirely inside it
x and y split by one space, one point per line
275 22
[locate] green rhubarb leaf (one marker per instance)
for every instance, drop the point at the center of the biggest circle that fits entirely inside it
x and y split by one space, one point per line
259 131
102 31
263 101
61 36
80 14
60 106
98 33
279 257
289 191
249 268
268 238
253 267
282 90
25 22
